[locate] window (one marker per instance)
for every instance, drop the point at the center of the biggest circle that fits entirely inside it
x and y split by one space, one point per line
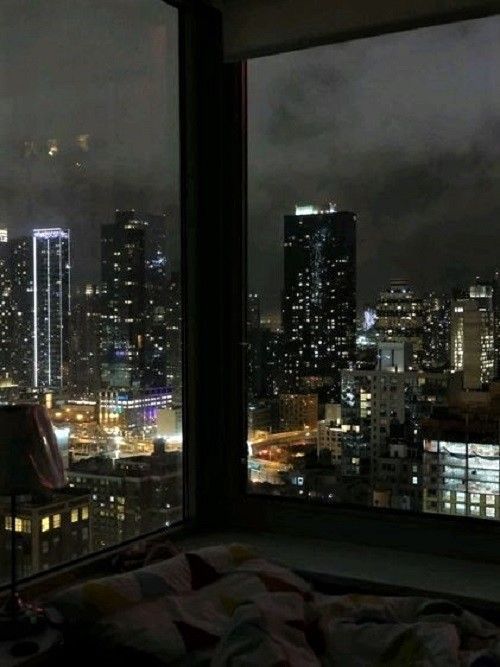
358 155
21 525
90 257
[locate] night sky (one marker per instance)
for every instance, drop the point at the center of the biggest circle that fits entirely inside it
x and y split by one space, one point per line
103 68
403 129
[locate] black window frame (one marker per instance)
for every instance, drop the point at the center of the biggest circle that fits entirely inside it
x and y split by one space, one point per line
231 506
213 166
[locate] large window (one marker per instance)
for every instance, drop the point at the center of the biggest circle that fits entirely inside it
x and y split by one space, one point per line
374 296
90 311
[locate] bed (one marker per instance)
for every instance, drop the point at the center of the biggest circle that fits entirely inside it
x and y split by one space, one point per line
227 605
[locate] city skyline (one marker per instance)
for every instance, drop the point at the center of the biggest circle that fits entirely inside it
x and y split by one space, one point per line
401 128
86 131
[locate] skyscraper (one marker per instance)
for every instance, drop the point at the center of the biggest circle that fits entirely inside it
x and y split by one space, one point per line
5 306
254 347
84 345
174 338
483 294
21 272
155 353
123 294
472 336
436 313
319 298
399 317
51 307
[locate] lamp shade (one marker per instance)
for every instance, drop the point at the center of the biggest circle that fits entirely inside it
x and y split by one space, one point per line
30 461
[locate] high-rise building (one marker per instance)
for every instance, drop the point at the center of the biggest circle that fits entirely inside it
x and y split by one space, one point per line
50 530
51 307
272 372
319 298
173 319
254 348
461 454
253 311
132 495
5 307
381 413
399 317
155 351
84 343
483 293
472 337
21 272
436 315
123 299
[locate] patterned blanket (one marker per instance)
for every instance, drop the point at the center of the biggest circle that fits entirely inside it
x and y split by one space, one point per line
228 606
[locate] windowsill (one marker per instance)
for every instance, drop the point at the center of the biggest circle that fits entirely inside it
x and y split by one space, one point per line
372 569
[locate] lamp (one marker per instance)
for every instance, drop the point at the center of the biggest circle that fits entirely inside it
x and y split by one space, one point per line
30 463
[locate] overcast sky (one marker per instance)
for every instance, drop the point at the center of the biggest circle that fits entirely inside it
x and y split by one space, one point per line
403 129
102 68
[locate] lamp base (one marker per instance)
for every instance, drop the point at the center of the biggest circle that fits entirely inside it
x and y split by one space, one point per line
19 620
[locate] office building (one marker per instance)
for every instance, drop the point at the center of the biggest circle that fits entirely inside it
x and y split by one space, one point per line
399 317
5 307
173 321
254 348
383 408
472 337
134 410
155 350
483 294
51 307
21 271
461 463
319 298
85 372
50 530
436 316
132 495
123 300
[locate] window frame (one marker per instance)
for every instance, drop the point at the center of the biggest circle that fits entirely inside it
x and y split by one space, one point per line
458 536
213 199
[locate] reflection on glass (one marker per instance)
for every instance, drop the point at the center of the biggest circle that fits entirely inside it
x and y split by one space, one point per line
90 312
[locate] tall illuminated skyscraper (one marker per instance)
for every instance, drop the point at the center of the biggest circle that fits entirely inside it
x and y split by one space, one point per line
5 305
123 295
319 299
51 307
21 273
473 336
436 314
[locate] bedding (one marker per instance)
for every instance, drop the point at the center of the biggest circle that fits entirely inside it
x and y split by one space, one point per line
227 605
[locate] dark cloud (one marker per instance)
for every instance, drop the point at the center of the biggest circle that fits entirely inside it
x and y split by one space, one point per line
102 68
404 130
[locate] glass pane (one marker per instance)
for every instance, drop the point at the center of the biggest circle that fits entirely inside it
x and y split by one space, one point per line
90 320
374 293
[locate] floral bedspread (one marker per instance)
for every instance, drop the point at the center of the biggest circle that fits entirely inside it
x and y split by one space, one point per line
227 606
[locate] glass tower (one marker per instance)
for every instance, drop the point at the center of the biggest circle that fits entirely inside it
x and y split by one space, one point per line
51 307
